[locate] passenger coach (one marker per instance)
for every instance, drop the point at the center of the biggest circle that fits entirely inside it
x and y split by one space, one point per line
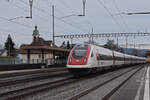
86 58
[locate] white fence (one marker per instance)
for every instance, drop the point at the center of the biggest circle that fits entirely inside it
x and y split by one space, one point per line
10 61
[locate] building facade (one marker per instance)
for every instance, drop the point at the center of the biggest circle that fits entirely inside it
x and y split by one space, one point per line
41 50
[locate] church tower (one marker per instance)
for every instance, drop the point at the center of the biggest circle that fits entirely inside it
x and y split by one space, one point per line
35 34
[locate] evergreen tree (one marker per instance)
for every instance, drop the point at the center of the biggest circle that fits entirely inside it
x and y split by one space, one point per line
9 46
68 45
111 45
63 45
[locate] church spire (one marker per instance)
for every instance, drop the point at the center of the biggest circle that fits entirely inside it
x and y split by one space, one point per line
35 32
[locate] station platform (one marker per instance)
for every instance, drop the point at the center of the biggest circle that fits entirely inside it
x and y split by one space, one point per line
137 88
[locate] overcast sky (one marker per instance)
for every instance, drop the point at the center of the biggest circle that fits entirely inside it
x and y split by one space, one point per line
98 15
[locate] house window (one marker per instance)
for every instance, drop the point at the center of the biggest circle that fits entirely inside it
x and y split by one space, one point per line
51 44
39 55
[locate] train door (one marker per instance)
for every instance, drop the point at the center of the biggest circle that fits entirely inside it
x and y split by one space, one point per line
94 60
113 57
97 58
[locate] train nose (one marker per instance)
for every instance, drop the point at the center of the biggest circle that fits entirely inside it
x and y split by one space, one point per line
70 60
79 55
82 61
85 60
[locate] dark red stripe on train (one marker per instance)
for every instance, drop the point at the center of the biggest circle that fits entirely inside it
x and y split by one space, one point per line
81 61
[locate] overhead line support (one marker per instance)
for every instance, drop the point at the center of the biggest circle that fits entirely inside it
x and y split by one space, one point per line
102 35
31 5
53 22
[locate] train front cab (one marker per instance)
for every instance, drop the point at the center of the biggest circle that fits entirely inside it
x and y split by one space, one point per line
78 60
148 56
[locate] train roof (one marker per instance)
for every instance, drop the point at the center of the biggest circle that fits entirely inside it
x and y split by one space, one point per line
119 54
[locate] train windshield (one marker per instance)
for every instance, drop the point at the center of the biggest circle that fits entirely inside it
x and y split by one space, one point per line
79 51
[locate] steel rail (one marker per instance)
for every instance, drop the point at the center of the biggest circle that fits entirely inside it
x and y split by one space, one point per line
83 93
38 88
20 93
13 95
6 74
30 78
106 97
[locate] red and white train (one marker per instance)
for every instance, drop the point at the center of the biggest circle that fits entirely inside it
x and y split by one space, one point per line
86 58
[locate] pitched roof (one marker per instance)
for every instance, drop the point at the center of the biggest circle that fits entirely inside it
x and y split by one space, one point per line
2 51
41 42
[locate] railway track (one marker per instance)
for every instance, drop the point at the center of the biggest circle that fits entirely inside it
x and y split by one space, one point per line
18 94
105 97
31 90
7 74
31 77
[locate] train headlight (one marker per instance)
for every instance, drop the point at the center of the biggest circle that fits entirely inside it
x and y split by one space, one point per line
84 59
70 59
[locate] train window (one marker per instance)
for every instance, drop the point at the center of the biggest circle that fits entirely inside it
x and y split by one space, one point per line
105 57
128 59
92 55
98 57
119 58
148 56
79 51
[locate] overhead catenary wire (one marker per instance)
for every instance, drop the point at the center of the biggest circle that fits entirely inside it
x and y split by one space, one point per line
24 25
35 8
22 8
62 13
15 5
67 6
124 22
27 26
37 16
55 7
74 13
18 23
65 16
49 5
101 3
43 11
4 31
75 23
